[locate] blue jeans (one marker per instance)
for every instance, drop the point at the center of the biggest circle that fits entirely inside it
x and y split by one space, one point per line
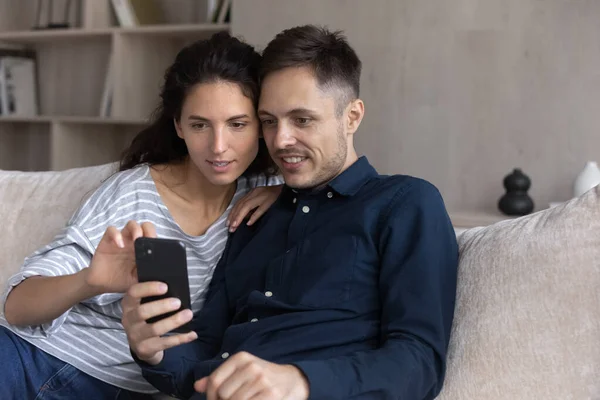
29 373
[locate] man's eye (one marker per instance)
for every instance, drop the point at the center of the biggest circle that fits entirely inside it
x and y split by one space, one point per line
268 122
200 125
302 121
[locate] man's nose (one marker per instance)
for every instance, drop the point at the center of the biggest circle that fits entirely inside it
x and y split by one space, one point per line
284 136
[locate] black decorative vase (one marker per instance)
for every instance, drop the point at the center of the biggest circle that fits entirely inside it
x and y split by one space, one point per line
516 201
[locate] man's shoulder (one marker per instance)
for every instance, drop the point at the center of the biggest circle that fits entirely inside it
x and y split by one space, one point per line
404 186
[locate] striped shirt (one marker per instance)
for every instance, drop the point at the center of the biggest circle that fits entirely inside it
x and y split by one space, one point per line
90 336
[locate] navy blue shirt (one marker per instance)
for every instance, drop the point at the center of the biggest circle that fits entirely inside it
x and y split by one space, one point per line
354 284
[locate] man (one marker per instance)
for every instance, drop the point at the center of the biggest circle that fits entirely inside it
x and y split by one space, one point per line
344 289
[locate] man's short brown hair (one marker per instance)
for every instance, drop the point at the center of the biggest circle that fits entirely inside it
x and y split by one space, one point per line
328 54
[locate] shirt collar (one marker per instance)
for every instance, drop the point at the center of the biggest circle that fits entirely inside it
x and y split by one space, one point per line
348 183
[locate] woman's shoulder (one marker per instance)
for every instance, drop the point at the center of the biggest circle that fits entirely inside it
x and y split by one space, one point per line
257 180
114 189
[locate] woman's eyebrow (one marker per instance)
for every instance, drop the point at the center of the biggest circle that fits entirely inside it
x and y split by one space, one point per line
240 116
200 118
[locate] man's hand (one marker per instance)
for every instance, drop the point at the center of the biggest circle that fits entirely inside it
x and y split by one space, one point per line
147 340
244 376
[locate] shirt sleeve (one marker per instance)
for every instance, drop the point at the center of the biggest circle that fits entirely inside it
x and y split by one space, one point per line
417 284
259 180
175 373
69 252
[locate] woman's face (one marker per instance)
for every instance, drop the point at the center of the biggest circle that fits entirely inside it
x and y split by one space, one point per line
220 128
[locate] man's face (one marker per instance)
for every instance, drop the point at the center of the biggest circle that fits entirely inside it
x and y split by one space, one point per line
308 141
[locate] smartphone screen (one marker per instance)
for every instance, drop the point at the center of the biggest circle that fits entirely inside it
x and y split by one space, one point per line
164 260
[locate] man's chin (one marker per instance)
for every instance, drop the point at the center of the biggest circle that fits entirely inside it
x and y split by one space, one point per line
295 182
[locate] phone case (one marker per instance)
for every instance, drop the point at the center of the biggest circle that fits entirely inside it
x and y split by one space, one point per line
164 260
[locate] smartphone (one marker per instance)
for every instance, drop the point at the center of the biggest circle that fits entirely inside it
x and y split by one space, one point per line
164 260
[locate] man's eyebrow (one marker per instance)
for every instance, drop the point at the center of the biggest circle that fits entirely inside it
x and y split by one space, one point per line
301 111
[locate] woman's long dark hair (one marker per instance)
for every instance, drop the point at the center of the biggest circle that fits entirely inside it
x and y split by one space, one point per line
220 58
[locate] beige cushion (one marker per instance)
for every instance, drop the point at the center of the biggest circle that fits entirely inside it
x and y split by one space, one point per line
527 322
34 206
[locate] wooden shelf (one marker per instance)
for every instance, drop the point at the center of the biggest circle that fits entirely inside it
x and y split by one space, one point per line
72 68
173 30
471 219
50 35
167 30
73 120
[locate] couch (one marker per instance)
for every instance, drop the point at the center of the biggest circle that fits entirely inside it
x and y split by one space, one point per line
527 321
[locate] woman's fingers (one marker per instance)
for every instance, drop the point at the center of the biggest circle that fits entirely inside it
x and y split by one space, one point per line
258 212
254 205
148 230
246 209
239 210
113 235
132 231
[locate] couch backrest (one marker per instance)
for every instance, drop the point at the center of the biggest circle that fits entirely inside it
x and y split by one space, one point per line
34 206
527 322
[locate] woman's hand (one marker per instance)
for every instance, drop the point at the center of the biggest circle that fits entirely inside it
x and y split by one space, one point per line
255 204
113 268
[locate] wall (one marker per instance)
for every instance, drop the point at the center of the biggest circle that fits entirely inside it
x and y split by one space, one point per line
460 92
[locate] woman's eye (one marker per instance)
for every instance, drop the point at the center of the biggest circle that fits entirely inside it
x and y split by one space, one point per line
238 125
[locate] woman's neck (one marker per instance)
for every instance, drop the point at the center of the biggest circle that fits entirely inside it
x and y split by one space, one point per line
189 185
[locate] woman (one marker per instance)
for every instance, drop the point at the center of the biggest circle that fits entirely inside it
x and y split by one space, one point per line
182 175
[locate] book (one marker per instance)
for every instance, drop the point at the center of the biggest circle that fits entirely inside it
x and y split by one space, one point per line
224 11
132 13
211 7
18 83
19 89
124 13
106 101
147 12
221 11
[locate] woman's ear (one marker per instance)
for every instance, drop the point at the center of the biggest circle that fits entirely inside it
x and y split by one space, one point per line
178 128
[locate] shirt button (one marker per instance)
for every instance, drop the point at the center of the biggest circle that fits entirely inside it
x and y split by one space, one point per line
254 320
225 355
268 294
305 209
294 201
329 194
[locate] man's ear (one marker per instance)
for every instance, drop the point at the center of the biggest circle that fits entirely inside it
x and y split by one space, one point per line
356 112
178 128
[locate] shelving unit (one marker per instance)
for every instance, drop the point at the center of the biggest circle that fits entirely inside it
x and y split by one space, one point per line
71 71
